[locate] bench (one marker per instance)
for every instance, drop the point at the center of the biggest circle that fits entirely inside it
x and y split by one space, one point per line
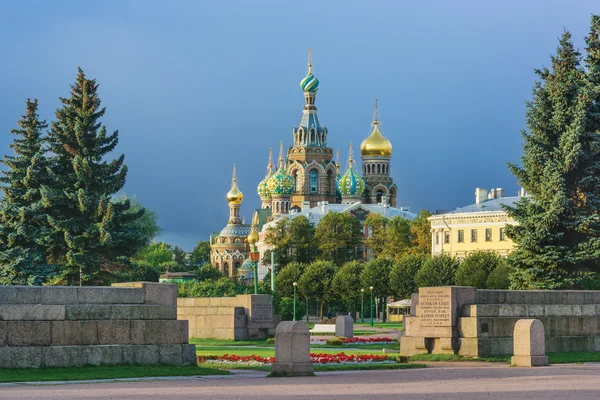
323 328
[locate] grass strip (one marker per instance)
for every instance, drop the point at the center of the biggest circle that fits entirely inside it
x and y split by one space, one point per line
230 343
103 372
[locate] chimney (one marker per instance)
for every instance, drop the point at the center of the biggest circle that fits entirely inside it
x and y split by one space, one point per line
521 192
492 194
480 195
499 193
305 205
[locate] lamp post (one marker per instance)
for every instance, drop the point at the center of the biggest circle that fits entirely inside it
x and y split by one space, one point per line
295 284
362 306
371 287
254 255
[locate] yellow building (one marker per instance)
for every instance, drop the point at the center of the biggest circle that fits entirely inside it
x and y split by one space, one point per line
480 226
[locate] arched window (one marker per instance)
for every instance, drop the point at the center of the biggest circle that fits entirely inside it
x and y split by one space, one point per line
226 269
277 207
314 181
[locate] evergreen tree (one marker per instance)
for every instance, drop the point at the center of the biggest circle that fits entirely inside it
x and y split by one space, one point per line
89 231
22 217
558 233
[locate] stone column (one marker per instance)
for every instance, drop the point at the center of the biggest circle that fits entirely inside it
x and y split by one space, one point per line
344 326
292 350
529 344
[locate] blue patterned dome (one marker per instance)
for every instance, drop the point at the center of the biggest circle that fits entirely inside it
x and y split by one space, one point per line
281 183
338 177
236 230
263 188
247 266
310 83
351 184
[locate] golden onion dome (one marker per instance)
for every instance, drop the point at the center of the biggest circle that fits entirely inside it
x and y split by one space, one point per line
376 144
235 195
253 236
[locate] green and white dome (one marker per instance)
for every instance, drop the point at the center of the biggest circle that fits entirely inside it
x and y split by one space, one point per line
351 184
281 183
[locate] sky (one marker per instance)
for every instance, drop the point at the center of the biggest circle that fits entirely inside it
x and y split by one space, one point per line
196 86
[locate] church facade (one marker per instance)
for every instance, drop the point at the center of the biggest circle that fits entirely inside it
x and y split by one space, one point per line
307 177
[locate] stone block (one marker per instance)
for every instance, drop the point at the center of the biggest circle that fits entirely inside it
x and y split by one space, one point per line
164 294
344 326
29 333
141 354
473 347
444 346
575 326
536 310
576 297
21 357
503 327
59 295
501 346
8 294
467 327
159 332
31 312
29 294
114 332
110 295
292 349
186 302
505 310
529 344
170 354
588 310
410 346
102 355
188 354
66 333
3 333
590 326
591 297
64 356
119 312
558 326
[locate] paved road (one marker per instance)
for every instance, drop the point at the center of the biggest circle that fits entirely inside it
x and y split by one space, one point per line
464 381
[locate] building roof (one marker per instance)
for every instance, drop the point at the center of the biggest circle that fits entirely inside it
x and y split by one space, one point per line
490 205
315 214
236 230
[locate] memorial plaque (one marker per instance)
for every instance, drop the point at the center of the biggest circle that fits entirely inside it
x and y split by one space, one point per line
435 306
261 310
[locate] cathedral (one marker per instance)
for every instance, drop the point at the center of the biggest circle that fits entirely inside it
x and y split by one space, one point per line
308 178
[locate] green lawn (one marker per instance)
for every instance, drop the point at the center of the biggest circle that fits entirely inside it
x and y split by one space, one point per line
230 343
385 325
104 372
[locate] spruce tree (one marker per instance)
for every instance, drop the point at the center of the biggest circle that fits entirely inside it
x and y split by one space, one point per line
89 231
22 216
558 229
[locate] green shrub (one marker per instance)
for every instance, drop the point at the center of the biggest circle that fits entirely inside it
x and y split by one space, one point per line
334 342
271 340
476 267
438 270
286 309
498 278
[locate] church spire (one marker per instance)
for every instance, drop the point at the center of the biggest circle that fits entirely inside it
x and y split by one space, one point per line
270 167
337 161
281 154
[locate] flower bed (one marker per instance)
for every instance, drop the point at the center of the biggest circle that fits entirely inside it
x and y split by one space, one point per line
356 340
315 358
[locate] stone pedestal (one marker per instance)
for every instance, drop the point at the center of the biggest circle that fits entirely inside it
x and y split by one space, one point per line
344 326
292 350
529 344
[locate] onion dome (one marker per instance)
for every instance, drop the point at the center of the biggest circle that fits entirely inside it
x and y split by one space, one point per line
351 184
246 267
281 183
310 83
235 195
263 186
376 144
253 236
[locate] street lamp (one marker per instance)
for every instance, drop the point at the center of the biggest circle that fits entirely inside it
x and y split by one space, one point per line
362 306
295 284
371 287
254 255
